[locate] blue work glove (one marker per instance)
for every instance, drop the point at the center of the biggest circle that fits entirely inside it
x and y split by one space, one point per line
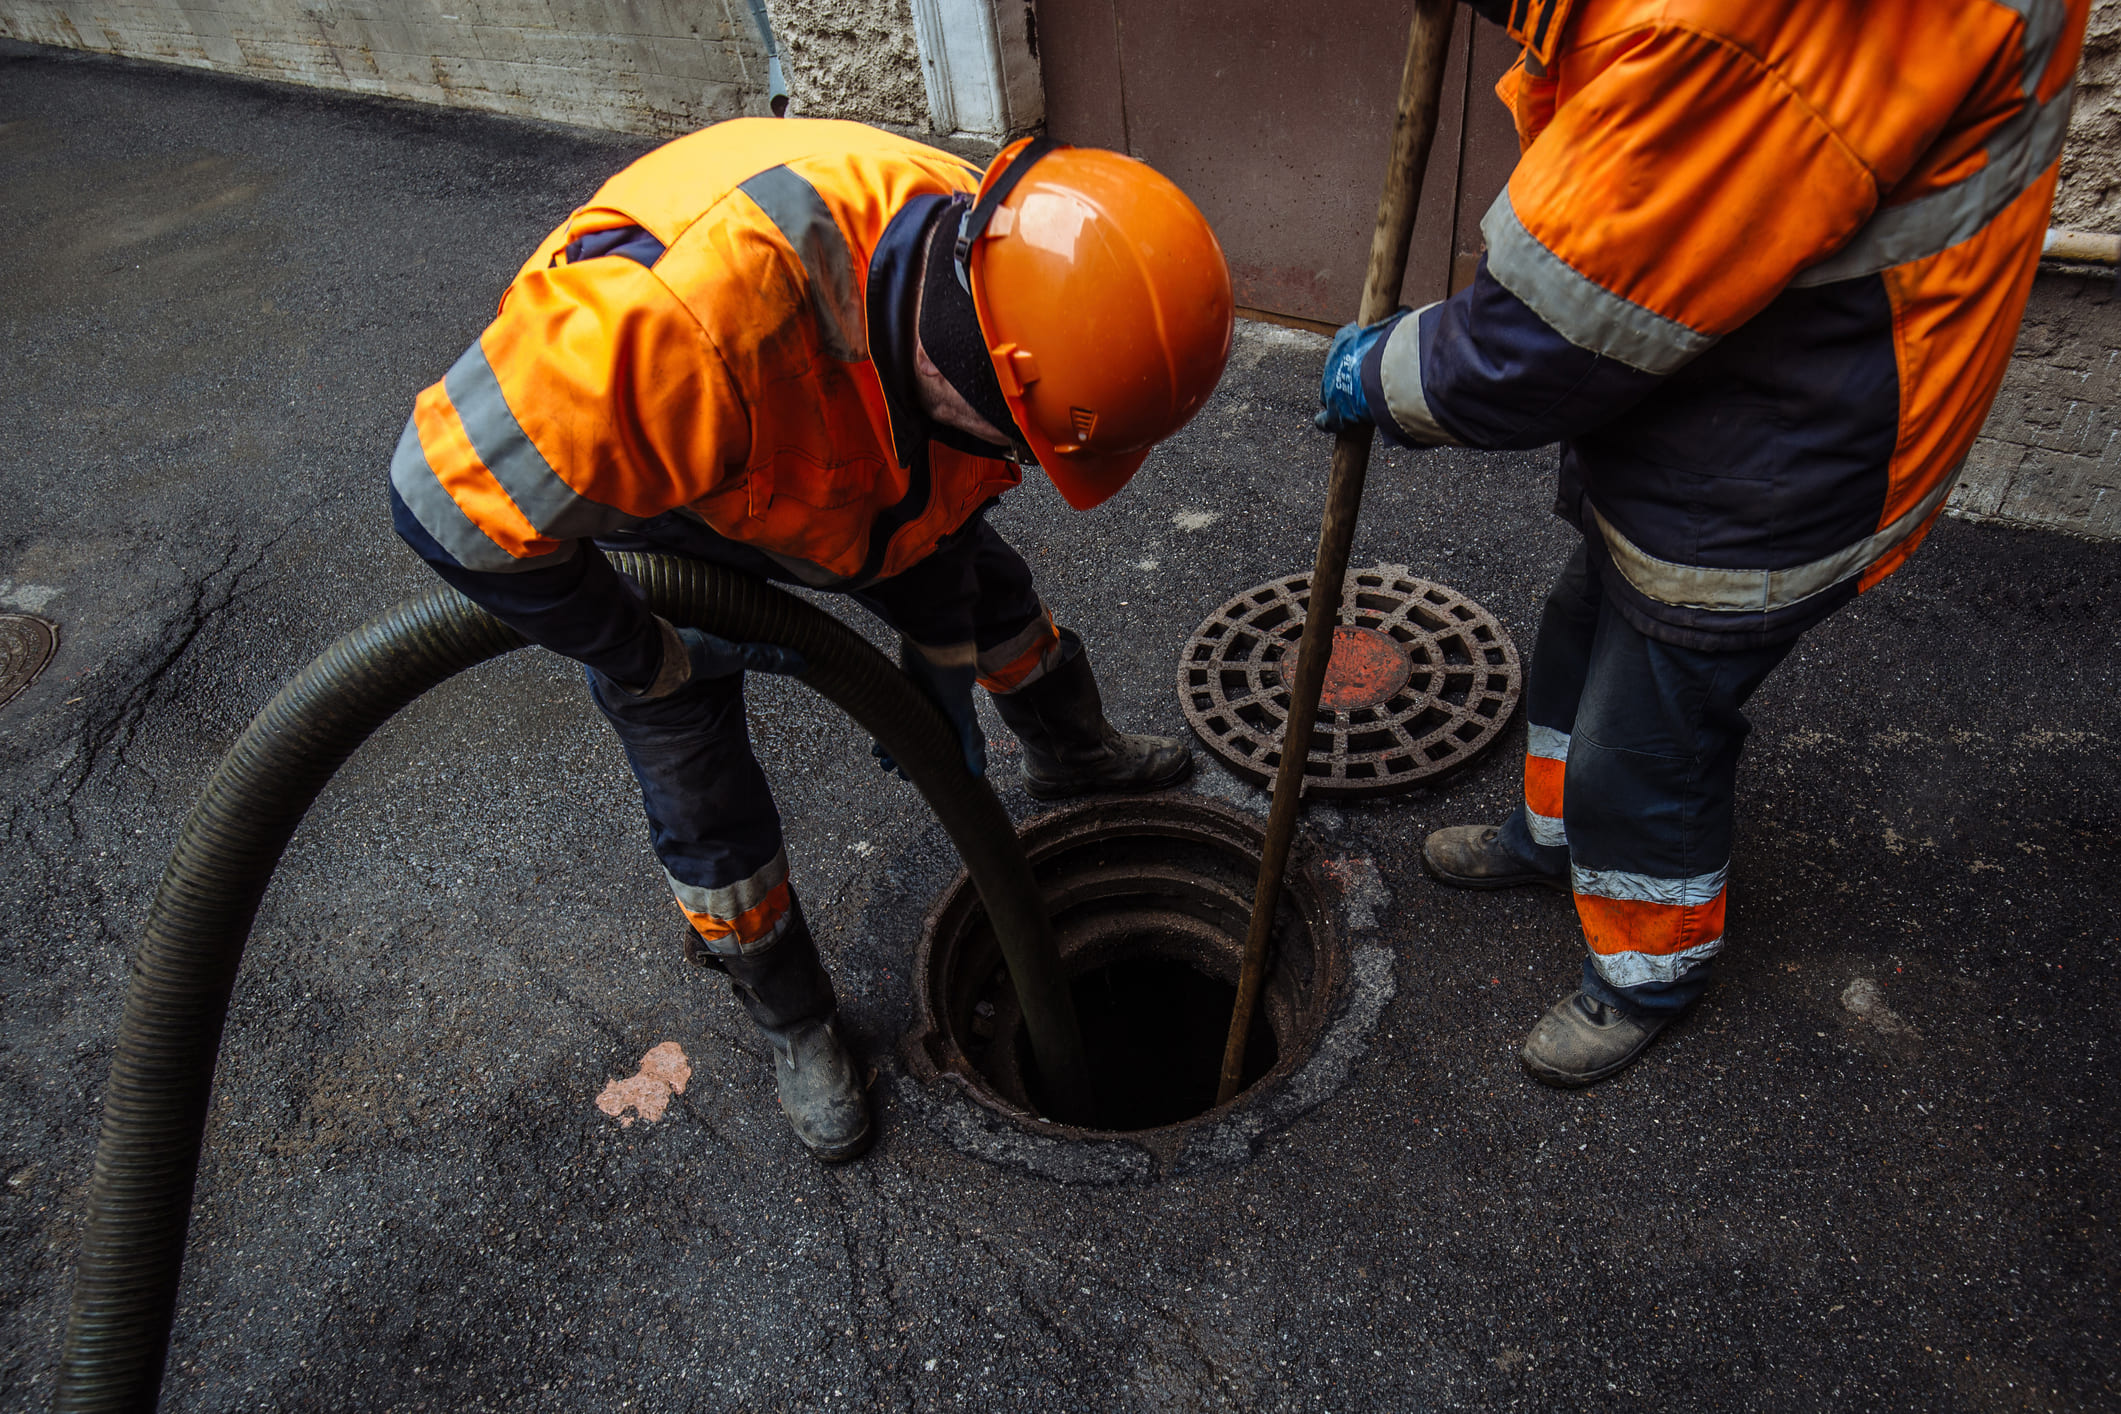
951 690
713 657
1341 402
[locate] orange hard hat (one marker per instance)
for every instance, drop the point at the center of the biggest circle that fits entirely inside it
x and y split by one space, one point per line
1105 304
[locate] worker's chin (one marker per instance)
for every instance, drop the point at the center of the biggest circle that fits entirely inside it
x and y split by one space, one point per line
959 439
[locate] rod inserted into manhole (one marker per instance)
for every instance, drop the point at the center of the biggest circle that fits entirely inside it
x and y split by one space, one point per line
1413 127
162 1071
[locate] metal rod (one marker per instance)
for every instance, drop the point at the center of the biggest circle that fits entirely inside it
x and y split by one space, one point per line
1413 128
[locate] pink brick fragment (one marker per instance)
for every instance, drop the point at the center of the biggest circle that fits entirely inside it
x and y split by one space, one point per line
664 1071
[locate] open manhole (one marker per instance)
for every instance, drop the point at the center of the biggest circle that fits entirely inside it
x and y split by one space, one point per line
1149 897
26 645
1421 681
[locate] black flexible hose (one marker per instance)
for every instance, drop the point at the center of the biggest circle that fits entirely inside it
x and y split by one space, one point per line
161 1075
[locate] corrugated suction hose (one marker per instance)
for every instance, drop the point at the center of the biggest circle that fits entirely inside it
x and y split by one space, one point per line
161 1075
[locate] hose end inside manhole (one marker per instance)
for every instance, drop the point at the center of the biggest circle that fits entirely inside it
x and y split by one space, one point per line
1150 897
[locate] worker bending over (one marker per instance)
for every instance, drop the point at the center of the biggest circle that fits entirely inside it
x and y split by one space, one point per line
1759 271
815 352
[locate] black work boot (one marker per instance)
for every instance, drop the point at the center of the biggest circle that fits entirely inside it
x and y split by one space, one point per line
1472 857
1069 747
1581 1041
789 995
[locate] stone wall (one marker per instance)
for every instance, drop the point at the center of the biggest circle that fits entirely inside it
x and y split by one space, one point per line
2051 452
2050 455
644 66
851 59
2090 196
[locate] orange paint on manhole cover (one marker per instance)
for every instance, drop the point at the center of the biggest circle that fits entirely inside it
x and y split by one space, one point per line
1366 668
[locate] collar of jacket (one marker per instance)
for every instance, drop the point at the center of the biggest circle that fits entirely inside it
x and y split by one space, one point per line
893 304
1537 25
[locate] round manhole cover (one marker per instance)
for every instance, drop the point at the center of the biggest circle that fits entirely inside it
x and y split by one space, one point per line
26 645
1421 681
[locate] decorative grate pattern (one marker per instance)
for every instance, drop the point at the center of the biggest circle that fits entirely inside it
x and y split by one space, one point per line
26 645
1422 680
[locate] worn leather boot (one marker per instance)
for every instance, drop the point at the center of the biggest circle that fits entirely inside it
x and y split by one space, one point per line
1581 1041
1069 747
1471 857
789 995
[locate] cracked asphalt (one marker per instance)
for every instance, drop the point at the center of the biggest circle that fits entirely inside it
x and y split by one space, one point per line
1876 1168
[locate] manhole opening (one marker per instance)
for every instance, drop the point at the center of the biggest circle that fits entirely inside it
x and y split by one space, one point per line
1153 1030
1150 897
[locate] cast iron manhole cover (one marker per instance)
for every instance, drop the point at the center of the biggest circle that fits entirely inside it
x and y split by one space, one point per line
1422 680
26 645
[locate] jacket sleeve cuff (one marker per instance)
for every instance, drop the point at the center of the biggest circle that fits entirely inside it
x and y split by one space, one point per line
1392 385
675 669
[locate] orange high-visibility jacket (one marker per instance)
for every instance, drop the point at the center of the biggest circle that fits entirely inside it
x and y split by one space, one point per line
1760 269
695 339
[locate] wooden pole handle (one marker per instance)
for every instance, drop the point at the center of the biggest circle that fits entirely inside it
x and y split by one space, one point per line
1413 130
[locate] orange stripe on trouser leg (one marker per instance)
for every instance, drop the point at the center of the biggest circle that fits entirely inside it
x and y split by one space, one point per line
747 927
1615 925
1025 665
1542 785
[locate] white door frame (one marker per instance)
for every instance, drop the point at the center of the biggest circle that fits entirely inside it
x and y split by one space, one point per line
982 80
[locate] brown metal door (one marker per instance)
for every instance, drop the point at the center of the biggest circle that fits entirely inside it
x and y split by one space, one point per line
1275 118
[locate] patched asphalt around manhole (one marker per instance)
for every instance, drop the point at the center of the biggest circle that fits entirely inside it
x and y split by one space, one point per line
26 645
1141 881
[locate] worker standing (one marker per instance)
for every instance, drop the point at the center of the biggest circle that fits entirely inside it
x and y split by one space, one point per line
1759 271
815 352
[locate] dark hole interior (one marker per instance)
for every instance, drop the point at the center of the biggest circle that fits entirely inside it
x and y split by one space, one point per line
1153 1028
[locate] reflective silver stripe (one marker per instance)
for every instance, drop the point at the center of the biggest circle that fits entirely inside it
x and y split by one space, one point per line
1001 655
806 224
1648 888
731 901
440 515
1577 307
674 669
1546 830
2018 154
1634 969
2043 27
1760 591
552 507
1546 743
964 654
1399 373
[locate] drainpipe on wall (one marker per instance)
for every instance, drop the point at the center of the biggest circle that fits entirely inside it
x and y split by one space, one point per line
776 85
979 61
2065 247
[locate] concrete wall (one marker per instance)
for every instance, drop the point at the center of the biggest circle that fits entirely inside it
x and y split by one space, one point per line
646 66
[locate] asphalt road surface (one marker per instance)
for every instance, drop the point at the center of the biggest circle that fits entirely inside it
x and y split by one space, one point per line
220 300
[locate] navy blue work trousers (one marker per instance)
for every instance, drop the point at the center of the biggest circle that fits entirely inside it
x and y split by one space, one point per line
1631 766
711 816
